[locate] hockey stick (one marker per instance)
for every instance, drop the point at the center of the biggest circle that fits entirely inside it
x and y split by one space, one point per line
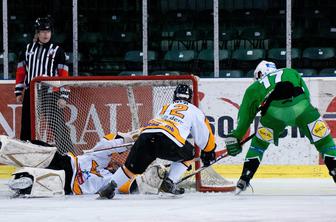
216 161
110 148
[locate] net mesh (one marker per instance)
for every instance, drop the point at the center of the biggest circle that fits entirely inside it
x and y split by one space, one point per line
95 108
211 179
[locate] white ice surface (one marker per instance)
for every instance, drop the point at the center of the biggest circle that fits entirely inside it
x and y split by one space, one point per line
273 200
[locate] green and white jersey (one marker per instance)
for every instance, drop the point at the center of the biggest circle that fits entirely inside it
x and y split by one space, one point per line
257 92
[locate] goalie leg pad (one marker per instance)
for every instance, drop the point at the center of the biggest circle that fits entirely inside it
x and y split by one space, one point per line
44 182
150 181
25 154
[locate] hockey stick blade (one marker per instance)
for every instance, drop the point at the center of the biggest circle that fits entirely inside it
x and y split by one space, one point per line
126 145
218 159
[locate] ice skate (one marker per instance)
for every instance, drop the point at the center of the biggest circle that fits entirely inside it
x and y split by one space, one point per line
241 186
108 191
168 186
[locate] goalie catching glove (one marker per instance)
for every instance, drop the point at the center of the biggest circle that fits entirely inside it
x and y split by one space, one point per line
208 157
233 145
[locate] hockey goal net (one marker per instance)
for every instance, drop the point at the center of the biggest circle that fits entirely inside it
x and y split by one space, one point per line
96 106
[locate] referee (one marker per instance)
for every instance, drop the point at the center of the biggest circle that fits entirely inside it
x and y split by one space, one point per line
41 57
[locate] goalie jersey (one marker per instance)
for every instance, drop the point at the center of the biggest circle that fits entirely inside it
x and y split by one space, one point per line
90 171
178 120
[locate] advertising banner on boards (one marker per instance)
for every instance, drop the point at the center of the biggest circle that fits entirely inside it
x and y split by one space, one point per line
220 100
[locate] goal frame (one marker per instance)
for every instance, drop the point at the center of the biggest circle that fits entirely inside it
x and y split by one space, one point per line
199 186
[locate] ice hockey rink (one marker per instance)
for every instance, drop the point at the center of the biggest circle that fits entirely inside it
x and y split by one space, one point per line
272 200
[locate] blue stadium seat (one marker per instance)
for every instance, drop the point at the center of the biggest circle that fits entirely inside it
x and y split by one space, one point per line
231 73
253 37
133 59
187 38
206 59
182 60
250 73
278 55
244 17
228 38
246 59
307 72
328 72
131 73
319 57
166 73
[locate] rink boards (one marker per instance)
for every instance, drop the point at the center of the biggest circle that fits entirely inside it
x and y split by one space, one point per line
220 100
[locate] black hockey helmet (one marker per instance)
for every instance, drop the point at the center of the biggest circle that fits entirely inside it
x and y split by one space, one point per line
43 24
183 92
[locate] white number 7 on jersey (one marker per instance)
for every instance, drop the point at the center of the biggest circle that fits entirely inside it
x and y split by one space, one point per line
265 79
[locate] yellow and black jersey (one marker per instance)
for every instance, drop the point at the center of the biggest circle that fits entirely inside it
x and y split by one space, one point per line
178 120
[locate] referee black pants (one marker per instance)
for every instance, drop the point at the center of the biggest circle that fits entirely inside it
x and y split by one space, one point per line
25 133
54 117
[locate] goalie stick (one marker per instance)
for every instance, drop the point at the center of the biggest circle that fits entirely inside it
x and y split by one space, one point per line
225 154
126 145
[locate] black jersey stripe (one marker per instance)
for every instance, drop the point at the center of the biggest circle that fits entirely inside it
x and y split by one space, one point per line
42 60
41 70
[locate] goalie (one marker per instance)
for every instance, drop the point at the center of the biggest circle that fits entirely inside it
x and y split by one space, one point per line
45 172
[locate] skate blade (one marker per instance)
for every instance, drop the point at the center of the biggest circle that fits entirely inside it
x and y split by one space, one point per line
164 195
105 197
238 191
102 198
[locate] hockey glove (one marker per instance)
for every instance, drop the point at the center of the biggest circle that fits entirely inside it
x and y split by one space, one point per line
208 157
232 145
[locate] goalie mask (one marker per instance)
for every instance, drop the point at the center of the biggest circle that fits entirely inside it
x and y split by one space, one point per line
263 69
183 92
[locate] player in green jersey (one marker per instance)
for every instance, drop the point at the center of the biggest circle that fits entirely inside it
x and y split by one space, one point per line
283 99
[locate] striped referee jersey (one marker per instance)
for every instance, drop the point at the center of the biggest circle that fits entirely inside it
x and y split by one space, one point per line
39 60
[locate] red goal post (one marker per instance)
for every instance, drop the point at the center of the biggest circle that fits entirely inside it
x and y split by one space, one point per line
98 105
